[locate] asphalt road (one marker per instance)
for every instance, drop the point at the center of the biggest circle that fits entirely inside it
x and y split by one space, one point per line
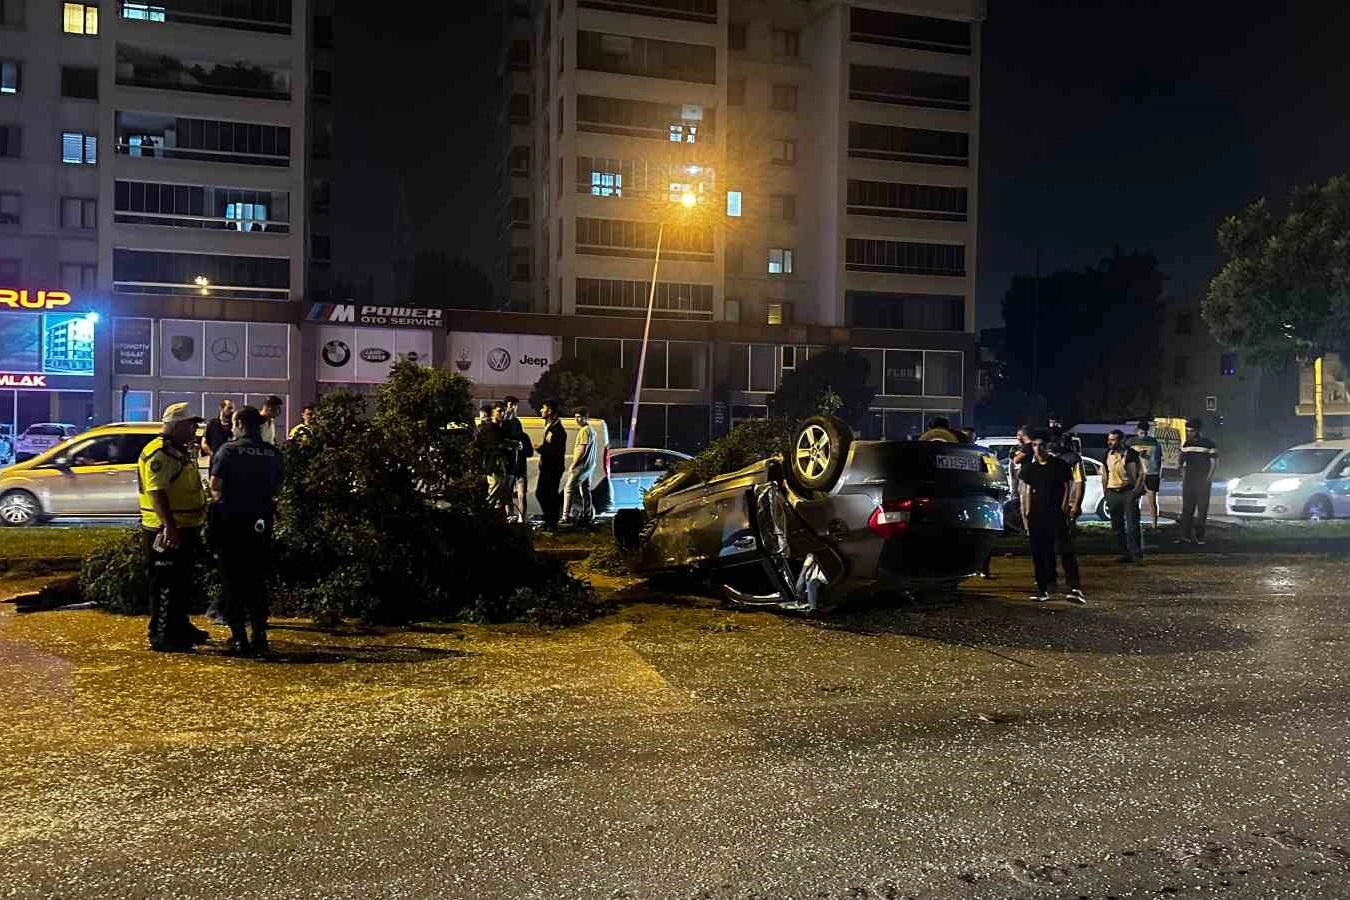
1183 735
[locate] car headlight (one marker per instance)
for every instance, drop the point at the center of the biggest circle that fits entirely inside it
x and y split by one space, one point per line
1233 483
1284 485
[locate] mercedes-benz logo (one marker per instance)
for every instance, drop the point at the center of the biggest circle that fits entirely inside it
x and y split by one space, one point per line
499 359
225 349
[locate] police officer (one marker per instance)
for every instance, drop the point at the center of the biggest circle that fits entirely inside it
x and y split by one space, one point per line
245 478
173 511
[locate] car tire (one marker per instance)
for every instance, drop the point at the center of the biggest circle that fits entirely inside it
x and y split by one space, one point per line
819 452
20 508
628 525
1101 512
1318 510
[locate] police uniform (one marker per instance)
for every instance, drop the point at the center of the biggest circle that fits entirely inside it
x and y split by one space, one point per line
163 466
249 472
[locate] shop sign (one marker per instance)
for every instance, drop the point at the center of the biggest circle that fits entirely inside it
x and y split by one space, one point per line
132 339
11 380
21 298
371 314
350 355
514 359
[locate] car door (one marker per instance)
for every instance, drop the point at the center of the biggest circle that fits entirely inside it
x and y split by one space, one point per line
80 477
627 470
655 466
1338 485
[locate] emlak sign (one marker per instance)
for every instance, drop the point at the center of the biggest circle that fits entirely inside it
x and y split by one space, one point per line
375 315
12 380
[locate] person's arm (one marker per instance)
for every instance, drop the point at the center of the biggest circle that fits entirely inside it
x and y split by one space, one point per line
157 486
218 463
1024 500
1077 488
1138 486
1213 462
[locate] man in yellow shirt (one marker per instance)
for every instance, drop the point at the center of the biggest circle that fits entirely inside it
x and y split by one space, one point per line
173 511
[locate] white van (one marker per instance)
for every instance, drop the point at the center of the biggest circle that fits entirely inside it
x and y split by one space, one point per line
600 487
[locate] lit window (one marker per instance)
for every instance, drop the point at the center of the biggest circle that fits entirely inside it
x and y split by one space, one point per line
733 203
78 148
683 134
9 77
776 318
246 216
80 18
780 261
142 12
606 184
678 190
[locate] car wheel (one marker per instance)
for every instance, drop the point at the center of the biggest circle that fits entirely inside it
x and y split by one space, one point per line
1318 509
1102 514
819 451
20 508
628 528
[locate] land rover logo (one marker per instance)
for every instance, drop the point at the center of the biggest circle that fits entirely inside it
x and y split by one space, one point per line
225 349
336 353
375 355
499 359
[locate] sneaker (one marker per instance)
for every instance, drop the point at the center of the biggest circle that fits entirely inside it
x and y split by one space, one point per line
1041 596
1199 543
1076 596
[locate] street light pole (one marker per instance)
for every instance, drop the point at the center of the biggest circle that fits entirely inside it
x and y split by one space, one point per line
646 332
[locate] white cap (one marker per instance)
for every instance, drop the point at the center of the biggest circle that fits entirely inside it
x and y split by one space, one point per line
179 412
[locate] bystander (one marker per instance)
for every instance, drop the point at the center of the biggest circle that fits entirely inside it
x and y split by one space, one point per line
1199 459
1122 483
552 449
1047 515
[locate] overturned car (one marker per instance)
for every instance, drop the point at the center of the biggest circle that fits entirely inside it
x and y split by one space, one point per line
829 516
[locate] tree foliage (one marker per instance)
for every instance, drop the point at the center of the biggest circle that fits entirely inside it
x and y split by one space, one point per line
1285 291
579 381
830 383
1097 331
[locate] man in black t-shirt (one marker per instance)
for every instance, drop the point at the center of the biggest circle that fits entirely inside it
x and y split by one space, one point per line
552 449
1199 459
219 430
1047 497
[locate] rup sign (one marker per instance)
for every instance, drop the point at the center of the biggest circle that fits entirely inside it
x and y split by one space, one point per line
383 316
514 359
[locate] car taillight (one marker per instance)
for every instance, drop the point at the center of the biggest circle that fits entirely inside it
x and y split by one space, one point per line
890 518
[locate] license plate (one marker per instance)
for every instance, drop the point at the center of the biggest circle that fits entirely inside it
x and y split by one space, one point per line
1237 508
959 463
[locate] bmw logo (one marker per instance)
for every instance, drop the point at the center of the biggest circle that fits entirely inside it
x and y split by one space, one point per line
336 353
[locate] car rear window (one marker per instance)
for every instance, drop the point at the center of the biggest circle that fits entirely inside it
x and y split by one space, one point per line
46 431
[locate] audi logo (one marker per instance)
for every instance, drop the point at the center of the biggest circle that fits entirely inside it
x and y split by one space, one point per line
267 351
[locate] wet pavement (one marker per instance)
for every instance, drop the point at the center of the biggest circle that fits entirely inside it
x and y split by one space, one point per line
1183 735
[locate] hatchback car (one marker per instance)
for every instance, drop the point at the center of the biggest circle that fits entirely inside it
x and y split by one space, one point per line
829 516
41 436
1310 481
90 475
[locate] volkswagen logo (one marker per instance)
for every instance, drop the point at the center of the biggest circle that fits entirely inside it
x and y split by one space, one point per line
225 349
336 353
499 360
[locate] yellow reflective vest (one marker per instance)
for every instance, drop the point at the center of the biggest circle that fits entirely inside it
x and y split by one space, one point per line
164 467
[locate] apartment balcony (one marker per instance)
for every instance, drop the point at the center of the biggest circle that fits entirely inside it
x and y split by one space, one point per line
262 16
148 69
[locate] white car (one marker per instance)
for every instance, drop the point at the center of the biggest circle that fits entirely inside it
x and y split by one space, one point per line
1094 498
41 437
1310 481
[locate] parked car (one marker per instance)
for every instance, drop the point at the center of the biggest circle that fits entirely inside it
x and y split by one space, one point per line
90 475
41 436
1310 481
1094 496
600 483
829 516
633 471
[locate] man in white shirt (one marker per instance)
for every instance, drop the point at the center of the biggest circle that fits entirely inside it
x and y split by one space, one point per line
577 486
271 413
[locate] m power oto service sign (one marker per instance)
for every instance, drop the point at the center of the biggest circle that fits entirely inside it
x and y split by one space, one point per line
374 315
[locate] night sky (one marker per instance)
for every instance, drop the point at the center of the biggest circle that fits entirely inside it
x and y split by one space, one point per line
1111 122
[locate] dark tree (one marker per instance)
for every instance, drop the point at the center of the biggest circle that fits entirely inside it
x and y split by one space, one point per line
1284 293
578 381
442 282
832 383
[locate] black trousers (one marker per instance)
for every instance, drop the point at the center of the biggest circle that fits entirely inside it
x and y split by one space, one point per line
1194 508
169 574
244 548
1049 538
549 494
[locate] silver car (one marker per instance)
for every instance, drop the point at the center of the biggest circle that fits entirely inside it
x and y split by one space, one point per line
90 475
831 515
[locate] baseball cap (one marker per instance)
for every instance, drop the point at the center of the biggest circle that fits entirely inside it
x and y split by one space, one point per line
179 412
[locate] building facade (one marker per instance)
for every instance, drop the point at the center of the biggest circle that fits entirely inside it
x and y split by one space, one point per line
160 164
809 171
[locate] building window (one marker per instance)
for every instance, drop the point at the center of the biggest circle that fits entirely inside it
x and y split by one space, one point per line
784 153
646 57
323 31
780 261
736 36
754 367
875 26
904 257
520 55
783 207
520 212
611 297
79 148
320 248
11 208
616 237
199 206
79 212
643 119
11 75
735 257
80 18
520 161
323 84
321 194
520 263
786 43
686 133
606 184
142 12
520 108
733 203
731 310
780 313
899 144
11 141
784 98
210 140
1181 369
908 87
908 201
735 92
229 276
1185 323
11 13
78 276
905 312
79 82
1228 364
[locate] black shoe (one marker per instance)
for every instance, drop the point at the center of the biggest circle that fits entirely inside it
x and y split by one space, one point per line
170 645
259 645
1076 596
1125 559
236 647
197 635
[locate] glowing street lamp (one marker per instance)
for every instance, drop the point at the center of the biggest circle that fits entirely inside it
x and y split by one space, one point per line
201 282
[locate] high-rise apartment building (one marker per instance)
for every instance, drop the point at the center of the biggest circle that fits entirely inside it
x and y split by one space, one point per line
159 162
809 168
